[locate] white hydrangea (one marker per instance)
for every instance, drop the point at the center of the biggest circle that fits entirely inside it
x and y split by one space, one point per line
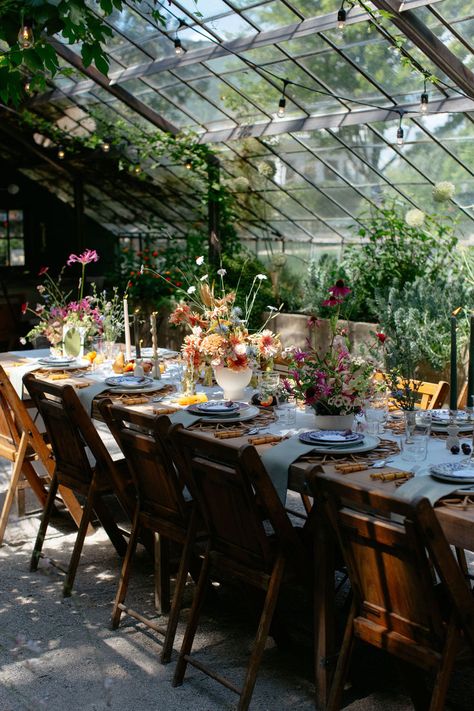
266 168
415 217
443 191
240 184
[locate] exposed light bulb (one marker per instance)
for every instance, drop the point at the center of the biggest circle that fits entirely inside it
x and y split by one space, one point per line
281 107
27 87
61 153
400 136
188 165
178 48
25 37
106 145
137 169
341 19
424 102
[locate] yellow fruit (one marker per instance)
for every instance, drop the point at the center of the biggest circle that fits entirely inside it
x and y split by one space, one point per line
91 355
118 363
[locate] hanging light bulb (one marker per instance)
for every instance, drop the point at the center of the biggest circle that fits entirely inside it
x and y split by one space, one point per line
27 87
341 18
137 169
25 37
400 136
188 165
178 49
106 145
61 153
424 100
281 107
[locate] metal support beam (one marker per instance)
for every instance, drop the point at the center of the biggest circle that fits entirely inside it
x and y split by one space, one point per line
242 44
131 101
215 246
333 120
422 37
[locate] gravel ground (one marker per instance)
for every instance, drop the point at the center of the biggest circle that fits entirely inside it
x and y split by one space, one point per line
58 653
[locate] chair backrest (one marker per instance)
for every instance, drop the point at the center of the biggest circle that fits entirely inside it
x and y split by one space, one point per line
142 438
14 421
72 434
235 496
391 547
431 395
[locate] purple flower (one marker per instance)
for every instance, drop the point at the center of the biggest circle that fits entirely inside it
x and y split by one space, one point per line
339 290
90 255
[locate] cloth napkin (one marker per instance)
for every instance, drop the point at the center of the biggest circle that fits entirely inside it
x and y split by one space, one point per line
432 489
184 418
87 395
16 373
278 459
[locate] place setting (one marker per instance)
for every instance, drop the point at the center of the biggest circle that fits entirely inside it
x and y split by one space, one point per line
339 441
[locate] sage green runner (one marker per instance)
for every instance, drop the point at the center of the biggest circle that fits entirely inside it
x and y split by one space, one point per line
184 418
432 489
279 458
87 395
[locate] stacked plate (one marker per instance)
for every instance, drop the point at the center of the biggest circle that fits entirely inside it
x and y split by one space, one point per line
339 442
454 472
223 411
130 383
440 420
62 362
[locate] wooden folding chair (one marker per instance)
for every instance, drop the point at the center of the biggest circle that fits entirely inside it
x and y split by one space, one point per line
83 465
391 548
21 444
161 508
236 497
431 396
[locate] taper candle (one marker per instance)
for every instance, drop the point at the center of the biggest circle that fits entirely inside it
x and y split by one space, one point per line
470 374
126 323
154 334
136 334
453 393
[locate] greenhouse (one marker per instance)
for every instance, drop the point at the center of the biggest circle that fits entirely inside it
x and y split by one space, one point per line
237 363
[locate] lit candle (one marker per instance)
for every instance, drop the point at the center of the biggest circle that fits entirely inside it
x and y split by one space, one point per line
453 394
126 323
136 334
470 375
154 334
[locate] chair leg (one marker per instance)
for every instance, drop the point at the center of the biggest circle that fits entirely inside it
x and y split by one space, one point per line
271 599
36 484
191 627
445 668
48 510
15 477
181 578
342 667
125 573
21 501
81 534
307 502
162 574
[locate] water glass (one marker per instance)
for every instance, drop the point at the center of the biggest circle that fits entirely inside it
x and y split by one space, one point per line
268 383
286 412
376 413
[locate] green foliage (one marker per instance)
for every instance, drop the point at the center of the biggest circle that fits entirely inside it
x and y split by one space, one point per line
323 273
395 253
241 271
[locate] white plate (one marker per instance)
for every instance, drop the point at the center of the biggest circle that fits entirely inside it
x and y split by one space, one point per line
74 365
453 472
439 427
57 360
370 442
162 353
218 407
128 382
441 416
153 387
243 416
334 437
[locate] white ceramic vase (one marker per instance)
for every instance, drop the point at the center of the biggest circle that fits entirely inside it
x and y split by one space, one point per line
233 382
334 422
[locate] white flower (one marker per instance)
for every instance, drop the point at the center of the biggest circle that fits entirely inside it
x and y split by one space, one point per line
240 349
142 269
23 341
221 272
200 261
266 168
240 184
191 290
415 218
203 278
443 191
272 308
261 277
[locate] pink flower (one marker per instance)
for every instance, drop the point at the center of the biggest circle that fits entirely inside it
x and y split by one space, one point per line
332 301
90 255
312 322
339 290
42 271
24 308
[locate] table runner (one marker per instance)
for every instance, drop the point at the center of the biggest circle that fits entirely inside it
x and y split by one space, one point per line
279 458
432 489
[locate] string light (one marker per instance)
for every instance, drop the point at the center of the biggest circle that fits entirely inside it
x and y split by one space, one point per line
341 17
25 37
188 165
282 102
400 132
178 47
424 100
106 145
61 153
137 169
27 87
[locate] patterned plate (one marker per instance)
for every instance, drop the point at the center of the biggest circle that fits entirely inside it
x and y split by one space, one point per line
441 417
369 442
454 472
59 361
247 412
128 382
334 437
218 407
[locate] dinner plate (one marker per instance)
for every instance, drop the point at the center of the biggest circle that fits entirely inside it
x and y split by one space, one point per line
76 364
128 382
334 437
369 442
246 412
153 387
57 360
441 416
453 472
162 353
218 407
463 427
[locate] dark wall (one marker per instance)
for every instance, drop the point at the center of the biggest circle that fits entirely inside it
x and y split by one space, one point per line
50 227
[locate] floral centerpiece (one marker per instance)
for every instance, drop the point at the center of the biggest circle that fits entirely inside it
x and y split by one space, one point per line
334 383
66 321
220 338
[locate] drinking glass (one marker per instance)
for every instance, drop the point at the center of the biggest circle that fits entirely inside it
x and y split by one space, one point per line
286 412
376 413
268 383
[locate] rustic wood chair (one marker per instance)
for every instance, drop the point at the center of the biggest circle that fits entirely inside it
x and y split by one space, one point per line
83 465
236 497
391 548
161 508
21 444
431 395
